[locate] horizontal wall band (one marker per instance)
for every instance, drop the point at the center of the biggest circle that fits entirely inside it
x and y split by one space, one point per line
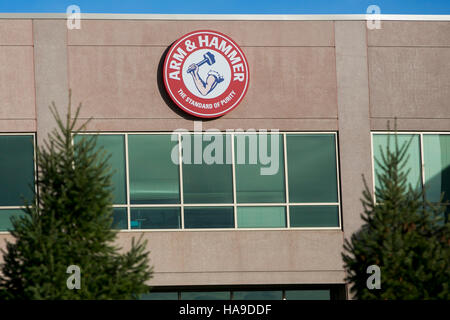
238 17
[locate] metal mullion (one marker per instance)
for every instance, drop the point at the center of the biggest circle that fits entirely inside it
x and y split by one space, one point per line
262 204
315 204
338 178
35 173
372 160
127 175
229 229
422 161
180 163
121 132
410 132
233 167
315 228
153 205
208 205
17 133
286 183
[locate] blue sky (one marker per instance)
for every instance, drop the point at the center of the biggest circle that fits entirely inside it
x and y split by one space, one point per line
231 6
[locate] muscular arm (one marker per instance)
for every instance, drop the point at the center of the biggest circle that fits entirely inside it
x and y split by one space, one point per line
204 87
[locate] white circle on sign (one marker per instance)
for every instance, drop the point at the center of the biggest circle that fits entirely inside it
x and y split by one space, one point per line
220 69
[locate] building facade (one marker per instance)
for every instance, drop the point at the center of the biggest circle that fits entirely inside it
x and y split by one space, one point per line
326 86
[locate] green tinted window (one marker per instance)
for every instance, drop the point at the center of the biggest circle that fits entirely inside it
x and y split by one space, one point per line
207 178
314 216
120 218
413 164
114 146
212 295
312 172
16 170
155 218
259 165
208 217
258 295
5 218
261 217
159 296
307 294
154 177
437 166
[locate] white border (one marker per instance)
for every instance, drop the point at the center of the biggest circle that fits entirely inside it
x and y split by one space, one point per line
173 96
231 17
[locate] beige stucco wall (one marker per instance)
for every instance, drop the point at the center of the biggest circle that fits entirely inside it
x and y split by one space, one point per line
304 76
114 67
409 75
17 95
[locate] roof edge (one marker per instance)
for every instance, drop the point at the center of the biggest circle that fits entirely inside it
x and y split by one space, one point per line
239 17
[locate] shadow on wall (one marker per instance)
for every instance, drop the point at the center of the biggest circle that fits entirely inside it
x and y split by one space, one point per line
165 95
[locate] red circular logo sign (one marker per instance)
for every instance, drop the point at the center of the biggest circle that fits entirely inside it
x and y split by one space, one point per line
206 73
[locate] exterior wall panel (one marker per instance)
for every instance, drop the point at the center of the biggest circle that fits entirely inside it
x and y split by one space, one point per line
16 82
163 33
409 75
17 101
409 82
122 83
246 257
410 34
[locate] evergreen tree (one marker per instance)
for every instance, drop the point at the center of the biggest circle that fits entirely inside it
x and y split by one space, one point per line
69 223
403 234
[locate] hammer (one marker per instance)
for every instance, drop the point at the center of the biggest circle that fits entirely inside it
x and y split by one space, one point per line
208 58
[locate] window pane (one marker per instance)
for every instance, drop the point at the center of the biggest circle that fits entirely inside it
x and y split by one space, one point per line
16 170
208 217
257 182
207 178
437 166
261 217
155 218
159 296
413 163
120 219
5 218
314 216
217 295
113 145
307 294
257 295
312 167
154 176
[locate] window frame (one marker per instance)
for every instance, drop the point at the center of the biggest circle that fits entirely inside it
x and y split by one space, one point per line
421 150
33 134
234 204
